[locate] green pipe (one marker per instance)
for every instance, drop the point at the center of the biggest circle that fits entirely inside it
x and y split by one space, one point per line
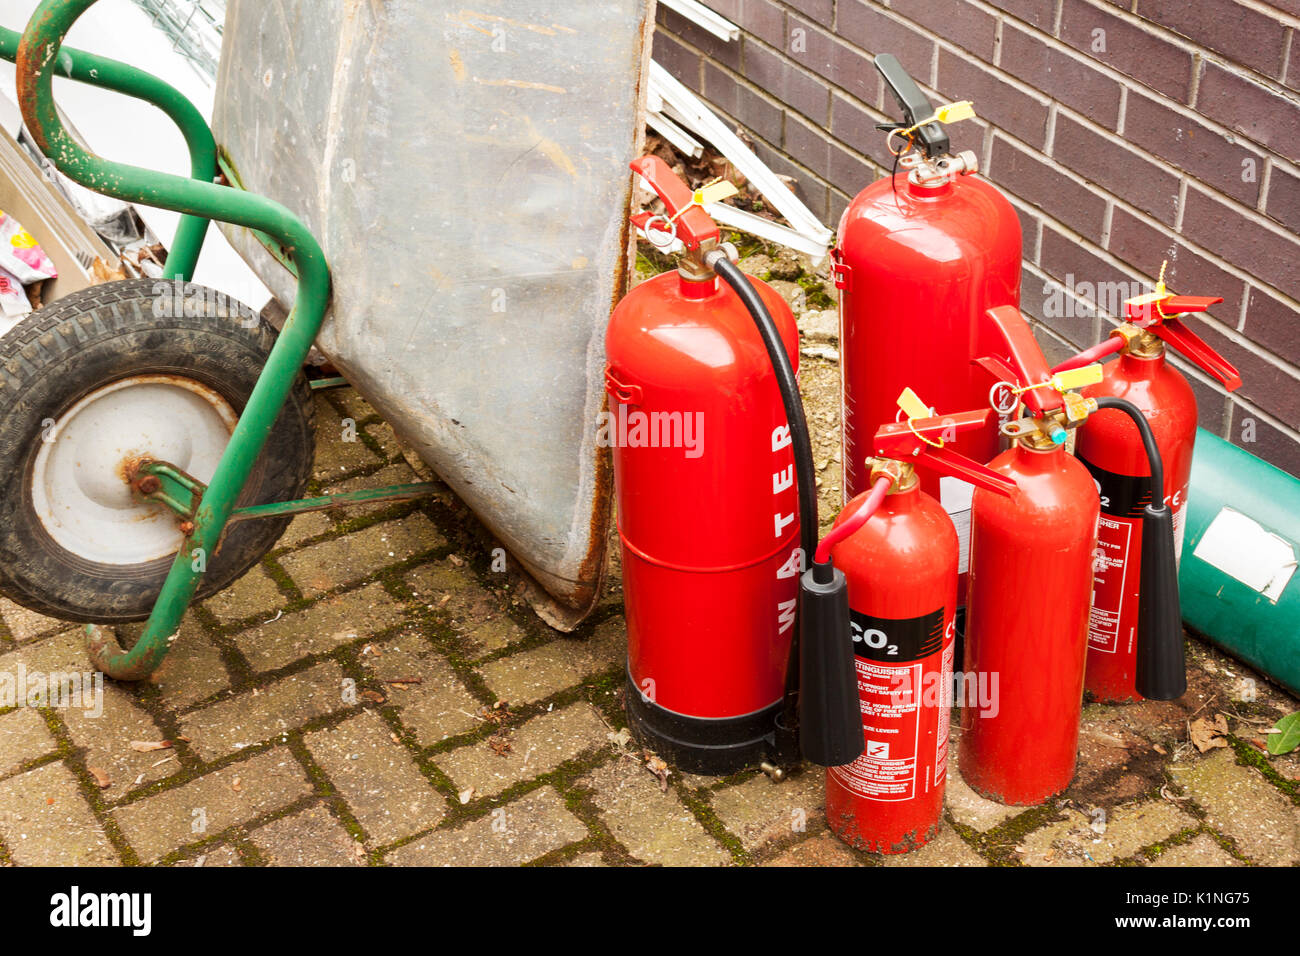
121 78
277 509
1261 628
38 49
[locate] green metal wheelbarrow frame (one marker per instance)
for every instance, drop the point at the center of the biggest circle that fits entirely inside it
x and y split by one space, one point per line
203 510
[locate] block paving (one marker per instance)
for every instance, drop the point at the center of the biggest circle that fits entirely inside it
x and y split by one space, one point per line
375 694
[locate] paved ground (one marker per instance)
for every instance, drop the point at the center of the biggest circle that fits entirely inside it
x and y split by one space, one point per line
376 694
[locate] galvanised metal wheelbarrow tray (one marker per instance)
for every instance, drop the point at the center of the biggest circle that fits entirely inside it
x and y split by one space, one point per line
465 175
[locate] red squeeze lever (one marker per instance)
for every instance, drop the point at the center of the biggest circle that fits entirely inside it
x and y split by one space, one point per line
922 439
1023 362
682 218
1160 316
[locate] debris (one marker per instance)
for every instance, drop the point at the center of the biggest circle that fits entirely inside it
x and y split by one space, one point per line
500 742
657 767
466 795
372 697
620 739
145 746
403 682
102 779
237 784
1207 732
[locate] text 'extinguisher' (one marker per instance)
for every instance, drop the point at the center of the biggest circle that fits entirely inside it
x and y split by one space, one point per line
1031 583
1111 449
898 550
920 258
712 541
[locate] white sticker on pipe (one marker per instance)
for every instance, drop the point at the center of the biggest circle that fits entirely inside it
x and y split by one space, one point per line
955 495
1243 549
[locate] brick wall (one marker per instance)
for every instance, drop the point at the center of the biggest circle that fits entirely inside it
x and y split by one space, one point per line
1124 132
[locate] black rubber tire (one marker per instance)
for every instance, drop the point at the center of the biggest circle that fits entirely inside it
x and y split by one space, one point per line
97 336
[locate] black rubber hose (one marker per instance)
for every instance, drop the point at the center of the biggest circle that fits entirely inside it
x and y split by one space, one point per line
1148 443
787 742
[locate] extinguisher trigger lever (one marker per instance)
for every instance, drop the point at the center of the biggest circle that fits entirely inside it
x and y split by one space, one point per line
684 216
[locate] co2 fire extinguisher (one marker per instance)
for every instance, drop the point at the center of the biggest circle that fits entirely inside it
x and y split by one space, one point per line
1111 449
898 550
921 256
713 530
1031 582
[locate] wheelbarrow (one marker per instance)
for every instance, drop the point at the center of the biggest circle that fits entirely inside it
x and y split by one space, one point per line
157 437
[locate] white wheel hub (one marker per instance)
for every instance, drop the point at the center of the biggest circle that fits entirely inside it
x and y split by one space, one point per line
80 488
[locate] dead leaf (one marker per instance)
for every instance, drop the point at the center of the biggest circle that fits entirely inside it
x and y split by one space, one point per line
101 777
372 696
1207 732
145 746
1158 749
620 739
660 769
500 742
466 795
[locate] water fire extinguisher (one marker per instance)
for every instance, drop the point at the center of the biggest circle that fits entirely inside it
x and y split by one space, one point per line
921 257
713 530
1031 581
898 550
1111 449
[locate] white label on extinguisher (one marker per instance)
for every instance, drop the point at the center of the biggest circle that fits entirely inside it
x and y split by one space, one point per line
892 727
941 735
955 495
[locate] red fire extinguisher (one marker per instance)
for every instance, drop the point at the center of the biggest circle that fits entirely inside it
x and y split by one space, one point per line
1111 449
716 502
921 257
898 550
1031 582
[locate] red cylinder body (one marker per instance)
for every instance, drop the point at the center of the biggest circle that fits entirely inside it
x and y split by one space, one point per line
1110 446
917 268
1027 626
901 568
710 532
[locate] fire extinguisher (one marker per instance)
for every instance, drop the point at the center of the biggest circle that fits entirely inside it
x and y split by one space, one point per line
1111 449
1031 582
898 550
921 256
716 502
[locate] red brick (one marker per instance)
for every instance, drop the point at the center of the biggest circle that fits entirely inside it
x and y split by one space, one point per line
1145 56
1040 13
848 171
728 8
831 58
682 63
1117 168
852 124
996 100
806 144
1040 182
1222 229
866 27
742 104
764 19
1192 146
777 76
1274 446
957 21
1144 247
1262 383
1252 110
1273 324
1074 82
1283 202
1246 36
1069 263
821 11
1211 402
809 189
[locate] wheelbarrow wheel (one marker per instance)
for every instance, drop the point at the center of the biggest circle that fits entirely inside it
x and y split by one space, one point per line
105 377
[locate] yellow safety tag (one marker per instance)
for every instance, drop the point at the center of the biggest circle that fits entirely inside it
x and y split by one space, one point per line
955 112
1147 298
912 405
714 192
1077 377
